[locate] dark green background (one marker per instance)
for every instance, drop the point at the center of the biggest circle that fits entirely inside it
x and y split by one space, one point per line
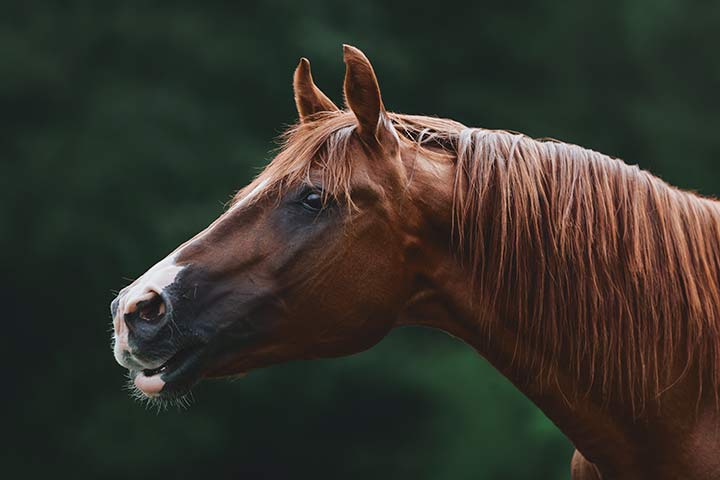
125 126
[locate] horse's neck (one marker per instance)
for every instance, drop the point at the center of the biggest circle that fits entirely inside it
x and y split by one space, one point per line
686 434
442 301
444 298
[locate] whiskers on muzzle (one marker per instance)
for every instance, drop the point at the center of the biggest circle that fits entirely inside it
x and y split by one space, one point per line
159 403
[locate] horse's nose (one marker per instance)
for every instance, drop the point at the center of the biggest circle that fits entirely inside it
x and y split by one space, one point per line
146 311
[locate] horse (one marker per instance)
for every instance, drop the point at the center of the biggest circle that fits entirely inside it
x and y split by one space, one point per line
592 285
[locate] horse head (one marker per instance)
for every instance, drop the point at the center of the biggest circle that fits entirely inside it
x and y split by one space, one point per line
315 258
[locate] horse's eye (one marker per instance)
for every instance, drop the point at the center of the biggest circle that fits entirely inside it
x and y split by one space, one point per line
313 201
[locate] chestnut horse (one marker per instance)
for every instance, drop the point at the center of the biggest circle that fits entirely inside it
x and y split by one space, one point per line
590 284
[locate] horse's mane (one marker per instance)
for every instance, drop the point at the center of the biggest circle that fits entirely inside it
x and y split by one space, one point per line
594 260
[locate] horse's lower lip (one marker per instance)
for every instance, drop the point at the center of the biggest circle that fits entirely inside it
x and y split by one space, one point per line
176 370
151 386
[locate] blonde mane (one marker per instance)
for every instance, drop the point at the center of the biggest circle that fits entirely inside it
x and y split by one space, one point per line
592 259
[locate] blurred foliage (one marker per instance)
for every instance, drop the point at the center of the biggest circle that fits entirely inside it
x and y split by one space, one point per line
125 127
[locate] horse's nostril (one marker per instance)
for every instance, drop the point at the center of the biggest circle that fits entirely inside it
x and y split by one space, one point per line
146 315
152 310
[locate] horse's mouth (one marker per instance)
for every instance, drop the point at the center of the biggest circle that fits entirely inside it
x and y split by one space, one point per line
172 378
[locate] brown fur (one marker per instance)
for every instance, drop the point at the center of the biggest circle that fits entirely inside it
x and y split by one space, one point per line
588 283
589 254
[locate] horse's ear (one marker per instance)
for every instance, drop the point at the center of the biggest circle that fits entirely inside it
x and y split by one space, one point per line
308 98
362 93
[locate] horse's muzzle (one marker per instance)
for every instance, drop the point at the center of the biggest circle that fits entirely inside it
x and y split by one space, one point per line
139 320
